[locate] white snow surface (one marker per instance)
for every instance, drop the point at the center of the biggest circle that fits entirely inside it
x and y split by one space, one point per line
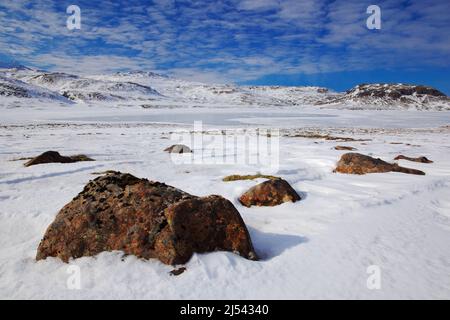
319 247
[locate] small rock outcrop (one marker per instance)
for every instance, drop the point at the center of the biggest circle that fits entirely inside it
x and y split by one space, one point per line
177 272
238 177
345 148
269 193
356 163
55 157
144 218
418 159
178 148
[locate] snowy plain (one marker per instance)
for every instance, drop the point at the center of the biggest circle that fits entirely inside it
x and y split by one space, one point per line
319 247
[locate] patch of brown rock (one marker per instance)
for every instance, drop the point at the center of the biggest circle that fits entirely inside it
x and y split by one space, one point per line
55 157
356 163
271 193
418 159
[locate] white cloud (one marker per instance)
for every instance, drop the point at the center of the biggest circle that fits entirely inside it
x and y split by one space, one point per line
257 4
96 64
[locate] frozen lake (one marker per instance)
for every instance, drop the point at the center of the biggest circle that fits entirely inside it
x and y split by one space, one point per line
275 118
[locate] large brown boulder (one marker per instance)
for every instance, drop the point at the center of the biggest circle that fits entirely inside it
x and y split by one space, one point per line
356 163
144 218
55 157
269 193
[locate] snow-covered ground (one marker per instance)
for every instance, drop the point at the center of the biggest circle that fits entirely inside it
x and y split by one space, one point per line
319 247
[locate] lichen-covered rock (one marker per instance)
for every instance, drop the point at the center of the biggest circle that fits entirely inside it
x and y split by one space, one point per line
203 225
55 157
178 148
147 219
356 163
269 193
418 159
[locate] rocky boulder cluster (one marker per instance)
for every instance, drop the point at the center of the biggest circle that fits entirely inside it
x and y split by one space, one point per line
149 219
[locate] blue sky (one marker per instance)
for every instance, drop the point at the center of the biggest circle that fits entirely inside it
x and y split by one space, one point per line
284 42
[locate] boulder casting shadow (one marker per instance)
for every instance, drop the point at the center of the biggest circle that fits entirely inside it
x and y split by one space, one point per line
148 219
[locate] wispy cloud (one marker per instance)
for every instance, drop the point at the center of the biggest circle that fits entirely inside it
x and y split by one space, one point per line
226 40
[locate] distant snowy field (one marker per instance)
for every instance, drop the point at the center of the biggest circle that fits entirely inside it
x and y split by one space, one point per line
319 247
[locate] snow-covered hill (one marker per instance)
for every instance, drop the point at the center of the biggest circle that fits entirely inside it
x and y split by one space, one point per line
152 90
12 88
393 96
213 94
87 90
295 96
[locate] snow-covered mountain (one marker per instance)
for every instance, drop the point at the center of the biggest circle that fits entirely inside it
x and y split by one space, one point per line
13 88
197 93
82 89
393 96
152 90
295 96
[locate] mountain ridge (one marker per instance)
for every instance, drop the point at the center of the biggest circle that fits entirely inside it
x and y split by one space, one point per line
148 89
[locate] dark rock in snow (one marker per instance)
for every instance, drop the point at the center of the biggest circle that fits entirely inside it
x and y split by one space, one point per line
269 193
356 163
178 148
144 218
177 272
418 159
345 148
55 157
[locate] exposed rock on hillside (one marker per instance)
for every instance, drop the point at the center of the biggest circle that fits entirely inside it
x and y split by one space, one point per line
393 95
